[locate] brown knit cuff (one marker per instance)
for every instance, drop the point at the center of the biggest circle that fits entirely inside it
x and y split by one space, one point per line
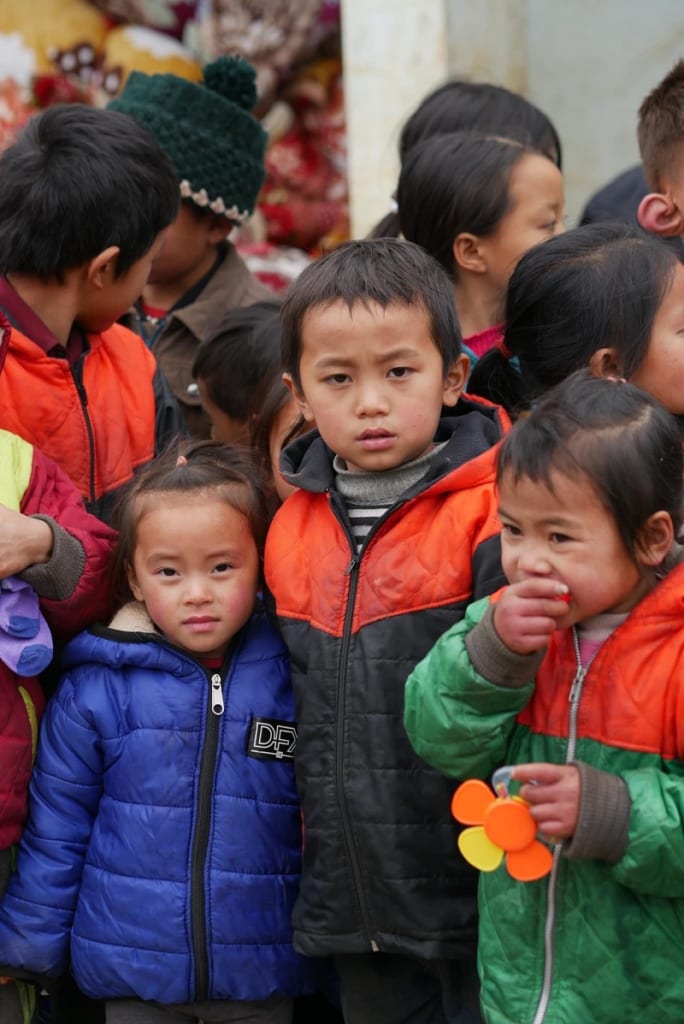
57 579
492 659
603 826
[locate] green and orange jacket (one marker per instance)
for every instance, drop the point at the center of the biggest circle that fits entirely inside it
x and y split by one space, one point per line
99 420
614 931
380 869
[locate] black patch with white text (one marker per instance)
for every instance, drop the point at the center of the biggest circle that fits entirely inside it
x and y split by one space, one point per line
272 740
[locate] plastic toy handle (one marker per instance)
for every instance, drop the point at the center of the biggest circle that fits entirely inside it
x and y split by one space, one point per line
501 780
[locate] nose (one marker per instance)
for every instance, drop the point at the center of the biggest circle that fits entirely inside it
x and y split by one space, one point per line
534 561
197 590
371 398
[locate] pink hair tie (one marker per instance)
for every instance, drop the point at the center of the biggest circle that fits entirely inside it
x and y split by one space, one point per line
617 380
181 461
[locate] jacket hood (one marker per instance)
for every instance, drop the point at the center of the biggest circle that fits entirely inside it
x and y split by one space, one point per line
131 639
472 429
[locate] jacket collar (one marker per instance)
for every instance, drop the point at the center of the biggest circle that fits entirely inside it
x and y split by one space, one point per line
473 427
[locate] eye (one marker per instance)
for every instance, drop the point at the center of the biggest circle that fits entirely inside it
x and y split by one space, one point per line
337 378
166 571
399 372
511 530
223 567
560 538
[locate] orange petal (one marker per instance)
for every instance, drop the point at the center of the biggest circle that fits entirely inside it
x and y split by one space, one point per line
470 801
478 850
531 863
509 824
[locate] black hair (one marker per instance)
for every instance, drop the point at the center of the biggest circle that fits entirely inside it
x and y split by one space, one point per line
596 286
77 180
240 356
275 397
386 271
459 105
223 471
618 437
455 183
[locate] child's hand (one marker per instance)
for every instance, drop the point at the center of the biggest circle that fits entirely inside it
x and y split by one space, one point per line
553 793
527 613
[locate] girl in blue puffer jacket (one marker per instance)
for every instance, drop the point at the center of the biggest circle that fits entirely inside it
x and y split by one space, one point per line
162 852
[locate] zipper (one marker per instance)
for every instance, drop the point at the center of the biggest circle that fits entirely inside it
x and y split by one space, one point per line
574 697
77 375
200 840
352 571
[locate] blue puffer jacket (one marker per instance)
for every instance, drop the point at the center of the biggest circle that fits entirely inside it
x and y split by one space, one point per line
163 844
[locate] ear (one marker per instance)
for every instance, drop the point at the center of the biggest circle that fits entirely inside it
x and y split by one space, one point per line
455 380
605 362
219 229
133 583
299 398
101 268
659 214
467 254
655 539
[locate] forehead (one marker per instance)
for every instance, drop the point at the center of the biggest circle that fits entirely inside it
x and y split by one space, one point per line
569 493
364 323
535 178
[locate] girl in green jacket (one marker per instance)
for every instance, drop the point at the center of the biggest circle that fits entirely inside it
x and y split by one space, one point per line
574 674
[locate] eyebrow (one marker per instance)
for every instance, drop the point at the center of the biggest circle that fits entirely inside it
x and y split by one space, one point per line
554 521
396 355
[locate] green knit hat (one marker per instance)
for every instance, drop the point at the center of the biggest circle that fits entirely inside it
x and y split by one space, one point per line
207 131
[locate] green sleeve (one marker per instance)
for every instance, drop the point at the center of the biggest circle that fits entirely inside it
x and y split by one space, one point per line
458 721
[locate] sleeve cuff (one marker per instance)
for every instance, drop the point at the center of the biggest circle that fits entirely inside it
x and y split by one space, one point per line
57 579
494 661
603 825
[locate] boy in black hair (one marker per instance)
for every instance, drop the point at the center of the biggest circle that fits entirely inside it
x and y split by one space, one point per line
392 532
85 197
216 146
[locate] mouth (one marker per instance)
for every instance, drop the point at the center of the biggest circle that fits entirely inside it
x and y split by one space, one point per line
374 440
200 623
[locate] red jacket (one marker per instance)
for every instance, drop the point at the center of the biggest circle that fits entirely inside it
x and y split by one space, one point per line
73 589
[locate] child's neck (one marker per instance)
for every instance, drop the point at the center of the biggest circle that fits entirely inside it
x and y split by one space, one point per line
54 303
478 307
166 294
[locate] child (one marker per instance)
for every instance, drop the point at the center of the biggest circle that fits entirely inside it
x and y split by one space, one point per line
661 143
217 149
390 534
477 203
85 198
605 296
237 369
57 559
459 105
574 676
233 366
163 845
273 426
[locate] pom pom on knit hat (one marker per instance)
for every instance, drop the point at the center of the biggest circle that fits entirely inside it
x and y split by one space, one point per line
207 131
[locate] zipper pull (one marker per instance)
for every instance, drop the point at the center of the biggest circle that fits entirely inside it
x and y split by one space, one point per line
576 685
217 705
352 565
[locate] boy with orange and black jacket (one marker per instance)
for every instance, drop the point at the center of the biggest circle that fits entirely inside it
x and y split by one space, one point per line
392 532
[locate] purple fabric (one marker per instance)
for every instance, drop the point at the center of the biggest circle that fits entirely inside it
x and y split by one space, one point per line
25 640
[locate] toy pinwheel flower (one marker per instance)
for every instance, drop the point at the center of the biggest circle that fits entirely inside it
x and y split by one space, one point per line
502 826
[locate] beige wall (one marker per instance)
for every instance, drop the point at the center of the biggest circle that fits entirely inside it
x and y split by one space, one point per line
587 63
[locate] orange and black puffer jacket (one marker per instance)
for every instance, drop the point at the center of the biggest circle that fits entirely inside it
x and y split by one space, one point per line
381 868
97 419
